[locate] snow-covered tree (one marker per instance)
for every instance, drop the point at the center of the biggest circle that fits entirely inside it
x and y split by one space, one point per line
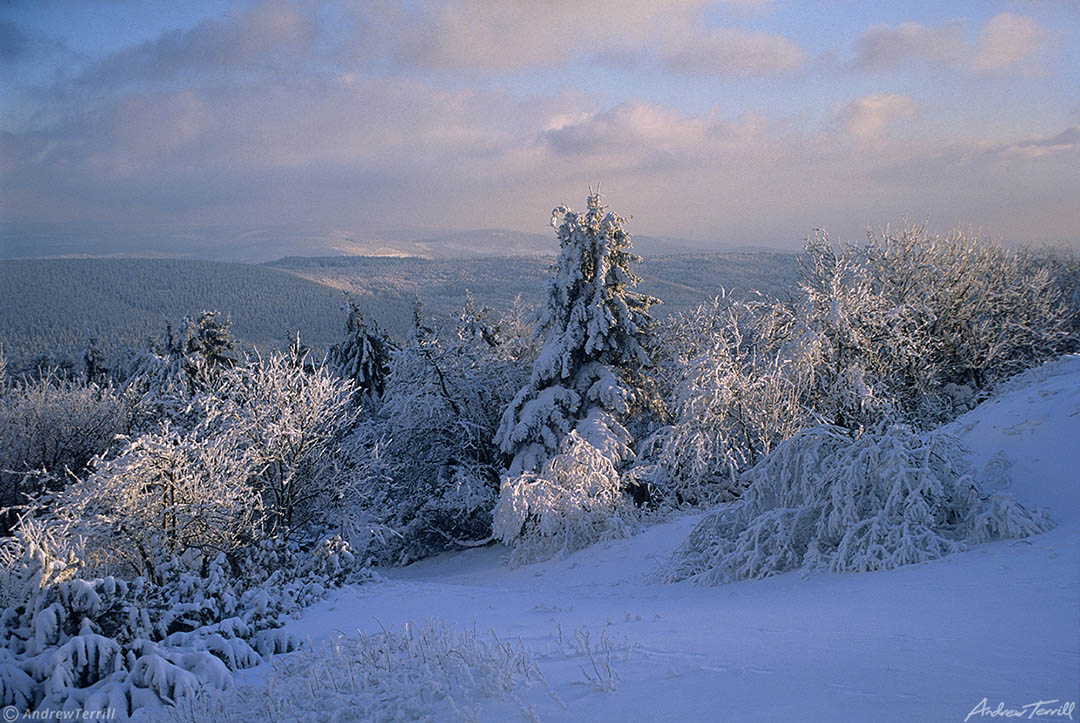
594 327
3 371
587 377
167 375
167 493
94 361
363 356
433 434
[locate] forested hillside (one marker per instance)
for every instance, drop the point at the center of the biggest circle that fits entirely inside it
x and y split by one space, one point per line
52 307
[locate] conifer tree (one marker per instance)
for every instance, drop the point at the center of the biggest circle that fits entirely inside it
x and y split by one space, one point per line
594 327
363 356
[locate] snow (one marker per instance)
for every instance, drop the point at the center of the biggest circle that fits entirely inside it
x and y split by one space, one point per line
921 642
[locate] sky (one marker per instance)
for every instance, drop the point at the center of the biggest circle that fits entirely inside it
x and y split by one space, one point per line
738 122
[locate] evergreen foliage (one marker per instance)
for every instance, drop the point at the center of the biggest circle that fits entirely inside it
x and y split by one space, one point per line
588 374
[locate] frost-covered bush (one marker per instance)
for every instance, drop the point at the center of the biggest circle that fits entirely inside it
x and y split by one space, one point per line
429 671
285 418
432 471
165 376
824 499
934 322
732 396
164 494
173 559
49 430
73 641
575 500
907 327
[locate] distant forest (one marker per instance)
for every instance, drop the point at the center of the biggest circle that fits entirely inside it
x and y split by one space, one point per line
53 307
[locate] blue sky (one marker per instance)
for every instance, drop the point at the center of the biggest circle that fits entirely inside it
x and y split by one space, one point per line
736 122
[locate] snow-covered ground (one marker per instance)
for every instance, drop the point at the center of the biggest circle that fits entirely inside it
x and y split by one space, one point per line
927 642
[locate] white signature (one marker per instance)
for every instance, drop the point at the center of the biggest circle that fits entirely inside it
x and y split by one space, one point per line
1042 708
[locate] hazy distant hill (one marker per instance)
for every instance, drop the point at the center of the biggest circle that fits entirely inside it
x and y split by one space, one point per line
269 244
680 281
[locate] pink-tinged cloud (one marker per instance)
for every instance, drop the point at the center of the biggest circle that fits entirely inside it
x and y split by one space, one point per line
870 115
1006 41
731 52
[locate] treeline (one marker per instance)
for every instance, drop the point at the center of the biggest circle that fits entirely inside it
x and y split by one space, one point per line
53 308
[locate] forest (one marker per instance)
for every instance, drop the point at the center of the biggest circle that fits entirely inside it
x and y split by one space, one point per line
162 521
57 308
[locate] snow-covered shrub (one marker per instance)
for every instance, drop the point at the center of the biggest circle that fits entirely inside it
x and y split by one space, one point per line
936 321
575 500
824 499
432 469
74 641
164 494
165 376
732 396
429 671
49 430
284 419
907 327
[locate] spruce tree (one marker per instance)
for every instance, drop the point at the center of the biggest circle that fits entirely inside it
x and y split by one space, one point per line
594 327
363 356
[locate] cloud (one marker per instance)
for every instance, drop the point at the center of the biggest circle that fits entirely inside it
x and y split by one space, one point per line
732 52
869 115
1006 42
265 29
252 120
368 154
497 36
494 35
1067 142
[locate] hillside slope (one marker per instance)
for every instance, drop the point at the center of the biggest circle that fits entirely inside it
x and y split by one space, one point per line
924 642
52 307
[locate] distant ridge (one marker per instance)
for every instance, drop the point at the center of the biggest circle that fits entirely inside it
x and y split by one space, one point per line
272 244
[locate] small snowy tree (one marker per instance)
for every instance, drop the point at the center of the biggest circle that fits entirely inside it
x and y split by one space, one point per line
363 356
586 378
3 371
167 376
440 409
